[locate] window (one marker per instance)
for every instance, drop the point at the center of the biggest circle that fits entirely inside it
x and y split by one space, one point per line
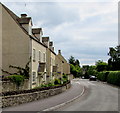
50 61
34 55
34 77
39 56
44 57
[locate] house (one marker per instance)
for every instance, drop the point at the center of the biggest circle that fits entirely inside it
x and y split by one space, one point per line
62 66
19 43
22 43
50 59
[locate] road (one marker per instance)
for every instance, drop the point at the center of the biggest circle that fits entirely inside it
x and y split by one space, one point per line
87 96
97 97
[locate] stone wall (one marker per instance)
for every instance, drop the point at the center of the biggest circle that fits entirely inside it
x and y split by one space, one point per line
10 86
14 100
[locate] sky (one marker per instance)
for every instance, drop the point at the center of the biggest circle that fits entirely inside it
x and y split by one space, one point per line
83 29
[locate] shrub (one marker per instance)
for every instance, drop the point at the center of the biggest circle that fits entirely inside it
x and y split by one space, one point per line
17 79
65 76
57 81
114 78
103 76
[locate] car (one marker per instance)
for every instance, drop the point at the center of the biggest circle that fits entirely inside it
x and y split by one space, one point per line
92 78
83 77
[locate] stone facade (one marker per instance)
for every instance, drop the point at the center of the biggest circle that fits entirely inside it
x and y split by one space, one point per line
14 100
10 86
20 42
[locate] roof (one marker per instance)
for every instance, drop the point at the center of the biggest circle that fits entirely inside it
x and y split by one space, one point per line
16 18
19 21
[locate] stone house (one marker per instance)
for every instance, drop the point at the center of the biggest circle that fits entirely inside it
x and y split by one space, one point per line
62 66
20 42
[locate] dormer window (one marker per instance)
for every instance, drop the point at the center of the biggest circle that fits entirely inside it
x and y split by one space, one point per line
26 23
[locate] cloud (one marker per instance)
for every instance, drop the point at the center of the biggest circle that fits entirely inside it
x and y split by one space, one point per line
85 30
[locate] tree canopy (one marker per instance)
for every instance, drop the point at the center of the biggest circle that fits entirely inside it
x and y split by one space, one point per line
101 66
114 60
75 66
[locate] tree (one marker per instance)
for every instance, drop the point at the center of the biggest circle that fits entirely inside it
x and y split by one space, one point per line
114 60
75 67
72 60
101 66
77 62
85 71
92 70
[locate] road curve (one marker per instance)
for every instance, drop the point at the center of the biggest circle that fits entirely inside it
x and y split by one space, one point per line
97 97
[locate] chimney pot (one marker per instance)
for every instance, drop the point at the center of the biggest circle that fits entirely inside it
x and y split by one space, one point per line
59 51
23 15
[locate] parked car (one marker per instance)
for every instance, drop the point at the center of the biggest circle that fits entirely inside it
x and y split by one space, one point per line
92 78
83 77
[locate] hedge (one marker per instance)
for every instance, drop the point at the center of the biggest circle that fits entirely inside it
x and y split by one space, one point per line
102 76
112 77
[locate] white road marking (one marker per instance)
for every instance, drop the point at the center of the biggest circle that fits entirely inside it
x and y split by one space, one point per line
77 82
60 105
90 83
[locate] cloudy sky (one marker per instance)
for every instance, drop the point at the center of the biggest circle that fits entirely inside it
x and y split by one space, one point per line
84 30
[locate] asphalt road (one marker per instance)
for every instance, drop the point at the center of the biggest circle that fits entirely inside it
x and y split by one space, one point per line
87 96
98 96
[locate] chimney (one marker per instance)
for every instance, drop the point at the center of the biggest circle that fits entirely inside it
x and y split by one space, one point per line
53 49
45 40
38 33
23 15
51 45
59 52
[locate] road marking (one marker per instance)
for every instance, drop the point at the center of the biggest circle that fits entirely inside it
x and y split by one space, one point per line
91 83
63 104
77 82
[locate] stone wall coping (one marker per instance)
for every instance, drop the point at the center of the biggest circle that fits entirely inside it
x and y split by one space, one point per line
30 93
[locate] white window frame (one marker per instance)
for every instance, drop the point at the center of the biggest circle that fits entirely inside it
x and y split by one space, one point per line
44 57
33 76
39 55
34 54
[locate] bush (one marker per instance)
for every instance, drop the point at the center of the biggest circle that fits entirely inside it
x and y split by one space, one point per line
64 78
57 81
102 76
17 79
47 85
114 78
